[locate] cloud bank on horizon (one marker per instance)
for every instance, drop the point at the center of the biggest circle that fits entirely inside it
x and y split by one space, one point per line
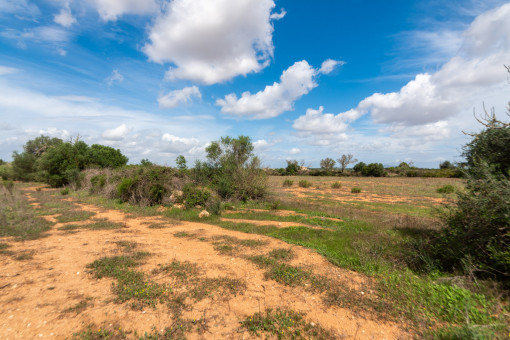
161 78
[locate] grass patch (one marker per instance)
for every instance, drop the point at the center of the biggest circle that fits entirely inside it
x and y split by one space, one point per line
355 190
304 184
287 183
336 185
99 224
79 307
446 189
74 216
18 219
284 324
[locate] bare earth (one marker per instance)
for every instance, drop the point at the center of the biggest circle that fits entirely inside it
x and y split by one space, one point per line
35 294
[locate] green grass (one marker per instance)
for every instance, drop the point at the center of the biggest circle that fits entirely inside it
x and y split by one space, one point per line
284 324
99 224
74 216
18 219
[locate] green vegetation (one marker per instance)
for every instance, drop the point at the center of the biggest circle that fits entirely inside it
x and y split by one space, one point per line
287 183
355 190
336 185
304 184
446 189
284 324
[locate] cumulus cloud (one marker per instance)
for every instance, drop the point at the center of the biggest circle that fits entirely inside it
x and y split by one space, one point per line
294 151
318 122
177 145
476 71
116 134
114 77
211 41
110 10
179 97
278 16
296 81
429 132
65 17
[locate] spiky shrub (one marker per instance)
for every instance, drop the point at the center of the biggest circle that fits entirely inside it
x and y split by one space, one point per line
336 185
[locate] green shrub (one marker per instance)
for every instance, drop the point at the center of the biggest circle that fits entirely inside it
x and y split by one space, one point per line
412 173
97 183
373 170
64 191
213 206
355 190
125 188
446 189
287 183
194 196
359 168
336 185
304 184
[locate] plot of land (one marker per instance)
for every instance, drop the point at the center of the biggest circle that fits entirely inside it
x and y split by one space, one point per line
100 272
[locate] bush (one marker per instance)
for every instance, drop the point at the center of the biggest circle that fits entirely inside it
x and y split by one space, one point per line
97 183
64 191
194 196
373 169
125 188
287 183
412 173
355 190
447 189
336 185
304 184
359 168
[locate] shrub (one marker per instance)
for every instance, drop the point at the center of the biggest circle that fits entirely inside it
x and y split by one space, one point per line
304 184
412 173
355 190
287 183
125 188
194 196
336 185
359 168
373 169
97 183
446 189
64 191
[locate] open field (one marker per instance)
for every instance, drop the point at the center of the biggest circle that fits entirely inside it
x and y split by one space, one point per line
312 262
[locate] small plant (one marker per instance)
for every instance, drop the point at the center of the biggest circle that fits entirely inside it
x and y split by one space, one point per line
336 185
355 190
274 205
304 184
447 189
287 183
64 191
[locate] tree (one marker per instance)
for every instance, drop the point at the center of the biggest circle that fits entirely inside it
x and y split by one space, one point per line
292 167
446 165
180 161
327 164
358 168
105 156
345 160
235 169
373 169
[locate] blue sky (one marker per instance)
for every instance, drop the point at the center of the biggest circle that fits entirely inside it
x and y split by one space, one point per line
386 81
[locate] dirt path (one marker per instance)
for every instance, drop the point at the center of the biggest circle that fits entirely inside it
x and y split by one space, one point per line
39 298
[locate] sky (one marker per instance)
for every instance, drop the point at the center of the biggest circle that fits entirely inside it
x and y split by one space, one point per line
387 81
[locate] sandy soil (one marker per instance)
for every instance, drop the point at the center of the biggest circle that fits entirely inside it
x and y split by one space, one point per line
35 294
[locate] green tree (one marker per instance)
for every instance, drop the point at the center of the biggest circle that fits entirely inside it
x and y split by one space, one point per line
446 165
358 168
104 157
373 169
292 167
235 169
327 164
180 161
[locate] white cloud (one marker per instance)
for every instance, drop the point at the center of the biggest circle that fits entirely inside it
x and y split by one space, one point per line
21 7
329 65
177 145
429 132
317 122
112 9
62 52
179 97
211 41
116 134
294 151
296 81
278 16
65 17
114 77
475 73
5 70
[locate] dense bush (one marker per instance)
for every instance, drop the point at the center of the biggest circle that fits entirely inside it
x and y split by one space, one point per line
355 190
193 196
287 183
57 163
304 184
446 189
373 170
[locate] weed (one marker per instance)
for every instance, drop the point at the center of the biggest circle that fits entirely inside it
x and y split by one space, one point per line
79 307
287 183
181 271
284 324
182 234
355 190
99 224
25 255
336 185
281 254
222 286
304 184
113 266
64 191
